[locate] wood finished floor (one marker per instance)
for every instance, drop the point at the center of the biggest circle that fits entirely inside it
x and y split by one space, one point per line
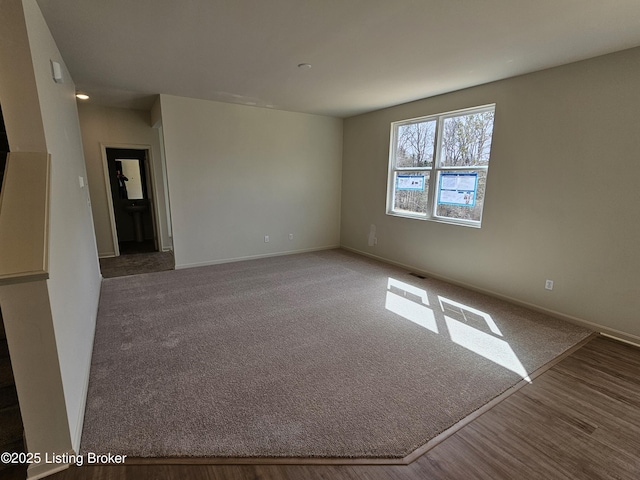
135 264
578 420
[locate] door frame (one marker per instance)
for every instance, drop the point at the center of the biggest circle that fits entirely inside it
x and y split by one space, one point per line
151 186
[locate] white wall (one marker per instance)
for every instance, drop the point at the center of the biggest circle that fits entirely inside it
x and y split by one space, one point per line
50 324
238 173
116 127
561 198
74 274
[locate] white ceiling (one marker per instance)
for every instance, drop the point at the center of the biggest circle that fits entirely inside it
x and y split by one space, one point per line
365 54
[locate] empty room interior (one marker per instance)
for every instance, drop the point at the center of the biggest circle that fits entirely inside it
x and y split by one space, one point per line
286 239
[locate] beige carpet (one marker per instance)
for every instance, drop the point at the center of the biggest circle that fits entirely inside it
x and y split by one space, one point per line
325 354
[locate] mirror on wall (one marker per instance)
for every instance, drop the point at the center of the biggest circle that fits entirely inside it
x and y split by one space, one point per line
129 176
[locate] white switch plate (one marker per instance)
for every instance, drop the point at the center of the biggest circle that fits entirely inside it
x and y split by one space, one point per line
548 284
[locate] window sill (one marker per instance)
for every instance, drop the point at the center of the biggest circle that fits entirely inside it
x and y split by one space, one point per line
450 221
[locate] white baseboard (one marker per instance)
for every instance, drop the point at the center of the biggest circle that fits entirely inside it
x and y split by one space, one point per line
623 338
36 471
608 331
254 257
77 435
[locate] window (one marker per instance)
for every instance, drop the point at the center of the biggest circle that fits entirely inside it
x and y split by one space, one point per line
438 166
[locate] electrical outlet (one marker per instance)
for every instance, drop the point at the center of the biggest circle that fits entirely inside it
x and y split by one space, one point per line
291 236
266 239
548 284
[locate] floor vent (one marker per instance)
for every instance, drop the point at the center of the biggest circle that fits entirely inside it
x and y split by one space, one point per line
417 275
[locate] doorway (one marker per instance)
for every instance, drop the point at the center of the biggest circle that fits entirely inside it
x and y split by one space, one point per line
132 199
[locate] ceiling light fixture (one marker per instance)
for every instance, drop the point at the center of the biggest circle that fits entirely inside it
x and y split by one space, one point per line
304 66
82 96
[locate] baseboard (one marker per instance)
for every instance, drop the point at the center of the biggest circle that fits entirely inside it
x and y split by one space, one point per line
36 471
77 435
254 257
608 331
623 338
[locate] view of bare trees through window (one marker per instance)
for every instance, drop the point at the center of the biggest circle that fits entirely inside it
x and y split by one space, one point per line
458 145
466 140
416 145
415 148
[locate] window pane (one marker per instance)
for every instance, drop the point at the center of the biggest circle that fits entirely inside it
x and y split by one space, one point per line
415 144
411 192
457 201
466 140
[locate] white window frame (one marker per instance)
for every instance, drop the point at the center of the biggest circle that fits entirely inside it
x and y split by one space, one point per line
434 170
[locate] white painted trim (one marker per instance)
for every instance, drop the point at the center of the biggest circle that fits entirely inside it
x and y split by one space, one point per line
155 209
77 436
255 257
608 331
36 471
165 181
152 195
623 340
107 255
434 171
112 216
